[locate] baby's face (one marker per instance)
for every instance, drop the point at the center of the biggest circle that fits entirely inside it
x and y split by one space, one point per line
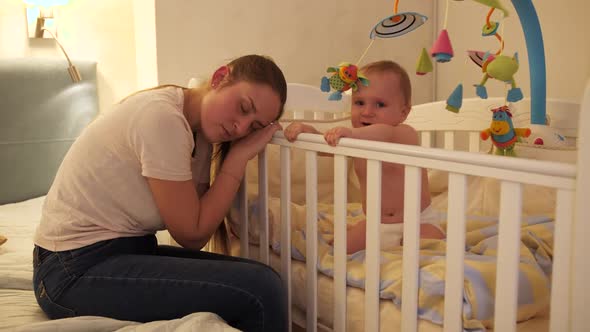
380 102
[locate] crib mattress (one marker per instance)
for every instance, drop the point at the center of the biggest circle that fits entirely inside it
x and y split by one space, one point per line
390 318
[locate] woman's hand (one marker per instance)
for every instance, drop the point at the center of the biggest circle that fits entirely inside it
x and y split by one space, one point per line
250 145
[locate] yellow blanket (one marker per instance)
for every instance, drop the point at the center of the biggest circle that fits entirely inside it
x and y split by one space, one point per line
480 264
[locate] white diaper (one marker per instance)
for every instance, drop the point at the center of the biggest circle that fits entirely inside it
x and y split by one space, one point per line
391 234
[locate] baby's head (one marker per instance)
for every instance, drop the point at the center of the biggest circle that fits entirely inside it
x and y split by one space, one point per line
387 99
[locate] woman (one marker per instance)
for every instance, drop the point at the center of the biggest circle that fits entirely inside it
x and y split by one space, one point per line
144 167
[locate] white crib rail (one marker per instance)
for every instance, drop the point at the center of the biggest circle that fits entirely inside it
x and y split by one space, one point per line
311 231
508 257
373 247
512 172
340 193
410 264
457 207
262 208
580 292
286 224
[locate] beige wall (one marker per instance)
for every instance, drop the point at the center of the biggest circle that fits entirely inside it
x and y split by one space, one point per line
102 31
565 36
139 43
304 37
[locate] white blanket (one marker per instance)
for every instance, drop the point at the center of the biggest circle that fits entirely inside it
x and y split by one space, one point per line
17 224
200 321
19 310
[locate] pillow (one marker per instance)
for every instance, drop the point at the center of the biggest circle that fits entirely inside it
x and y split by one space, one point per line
483 198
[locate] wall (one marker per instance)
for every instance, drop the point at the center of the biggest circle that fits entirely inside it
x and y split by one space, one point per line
102 31
304 37
566 47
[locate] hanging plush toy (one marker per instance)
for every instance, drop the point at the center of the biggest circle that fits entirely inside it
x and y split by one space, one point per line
502 68
504 135
346 76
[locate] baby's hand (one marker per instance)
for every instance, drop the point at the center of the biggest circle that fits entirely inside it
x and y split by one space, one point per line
333 135
295 128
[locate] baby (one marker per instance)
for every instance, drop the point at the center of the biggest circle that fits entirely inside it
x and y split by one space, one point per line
378 112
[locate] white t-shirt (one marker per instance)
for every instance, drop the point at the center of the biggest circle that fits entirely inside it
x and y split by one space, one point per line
101 192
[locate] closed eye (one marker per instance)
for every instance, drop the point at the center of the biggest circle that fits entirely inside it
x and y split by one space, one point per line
256 125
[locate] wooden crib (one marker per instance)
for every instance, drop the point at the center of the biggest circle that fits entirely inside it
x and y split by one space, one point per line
443 137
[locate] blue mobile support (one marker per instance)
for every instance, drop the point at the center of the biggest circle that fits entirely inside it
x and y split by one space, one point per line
536 51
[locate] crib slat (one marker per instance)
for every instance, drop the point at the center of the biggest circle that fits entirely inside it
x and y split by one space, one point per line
449 140
413 183
373 247
262 207
453 318
508 257
298 115
340 192
286 225
426 139
243 212
562 247
311 231
320 115
474 142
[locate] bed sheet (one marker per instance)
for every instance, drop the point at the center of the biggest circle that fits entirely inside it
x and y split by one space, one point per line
20 311
19 308
17 223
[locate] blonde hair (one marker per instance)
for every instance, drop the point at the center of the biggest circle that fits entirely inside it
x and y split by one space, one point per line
254 69
384 66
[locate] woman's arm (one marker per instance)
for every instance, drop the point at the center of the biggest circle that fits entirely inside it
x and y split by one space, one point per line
191 220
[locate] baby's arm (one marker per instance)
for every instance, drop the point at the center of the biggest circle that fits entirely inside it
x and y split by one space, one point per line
295 128
401 133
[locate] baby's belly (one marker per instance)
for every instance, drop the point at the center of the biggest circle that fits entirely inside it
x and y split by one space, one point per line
392 214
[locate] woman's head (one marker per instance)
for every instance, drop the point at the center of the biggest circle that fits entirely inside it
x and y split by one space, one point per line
247 94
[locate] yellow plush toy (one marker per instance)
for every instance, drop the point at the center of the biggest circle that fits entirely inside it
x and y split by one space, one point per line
502 131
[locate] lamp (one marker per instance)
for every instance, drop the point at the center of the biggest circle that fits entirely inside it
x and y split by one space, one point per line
72 70
41 15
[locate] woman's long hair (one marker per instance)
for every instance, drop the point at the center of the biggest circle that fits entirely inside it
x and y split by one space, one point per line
254 69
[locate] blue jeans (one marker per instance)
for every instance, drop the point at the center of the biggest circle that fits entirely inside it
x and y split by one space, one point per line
135 279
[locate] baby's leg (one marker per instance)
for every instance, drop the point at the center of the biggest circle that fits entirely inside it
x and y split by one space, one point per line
356 237
390 236
429 231
429 225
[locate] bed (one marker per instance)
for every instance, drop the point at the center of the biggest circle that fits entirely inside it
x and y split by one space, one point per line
41 114
524 217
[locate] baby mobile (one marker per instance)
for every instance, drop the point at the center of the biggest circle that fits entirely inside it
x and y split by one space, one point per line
502 68
346 75
494 65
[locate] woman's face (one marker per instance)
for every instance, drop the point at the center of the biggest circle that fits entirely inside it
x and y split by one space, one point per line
229 112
